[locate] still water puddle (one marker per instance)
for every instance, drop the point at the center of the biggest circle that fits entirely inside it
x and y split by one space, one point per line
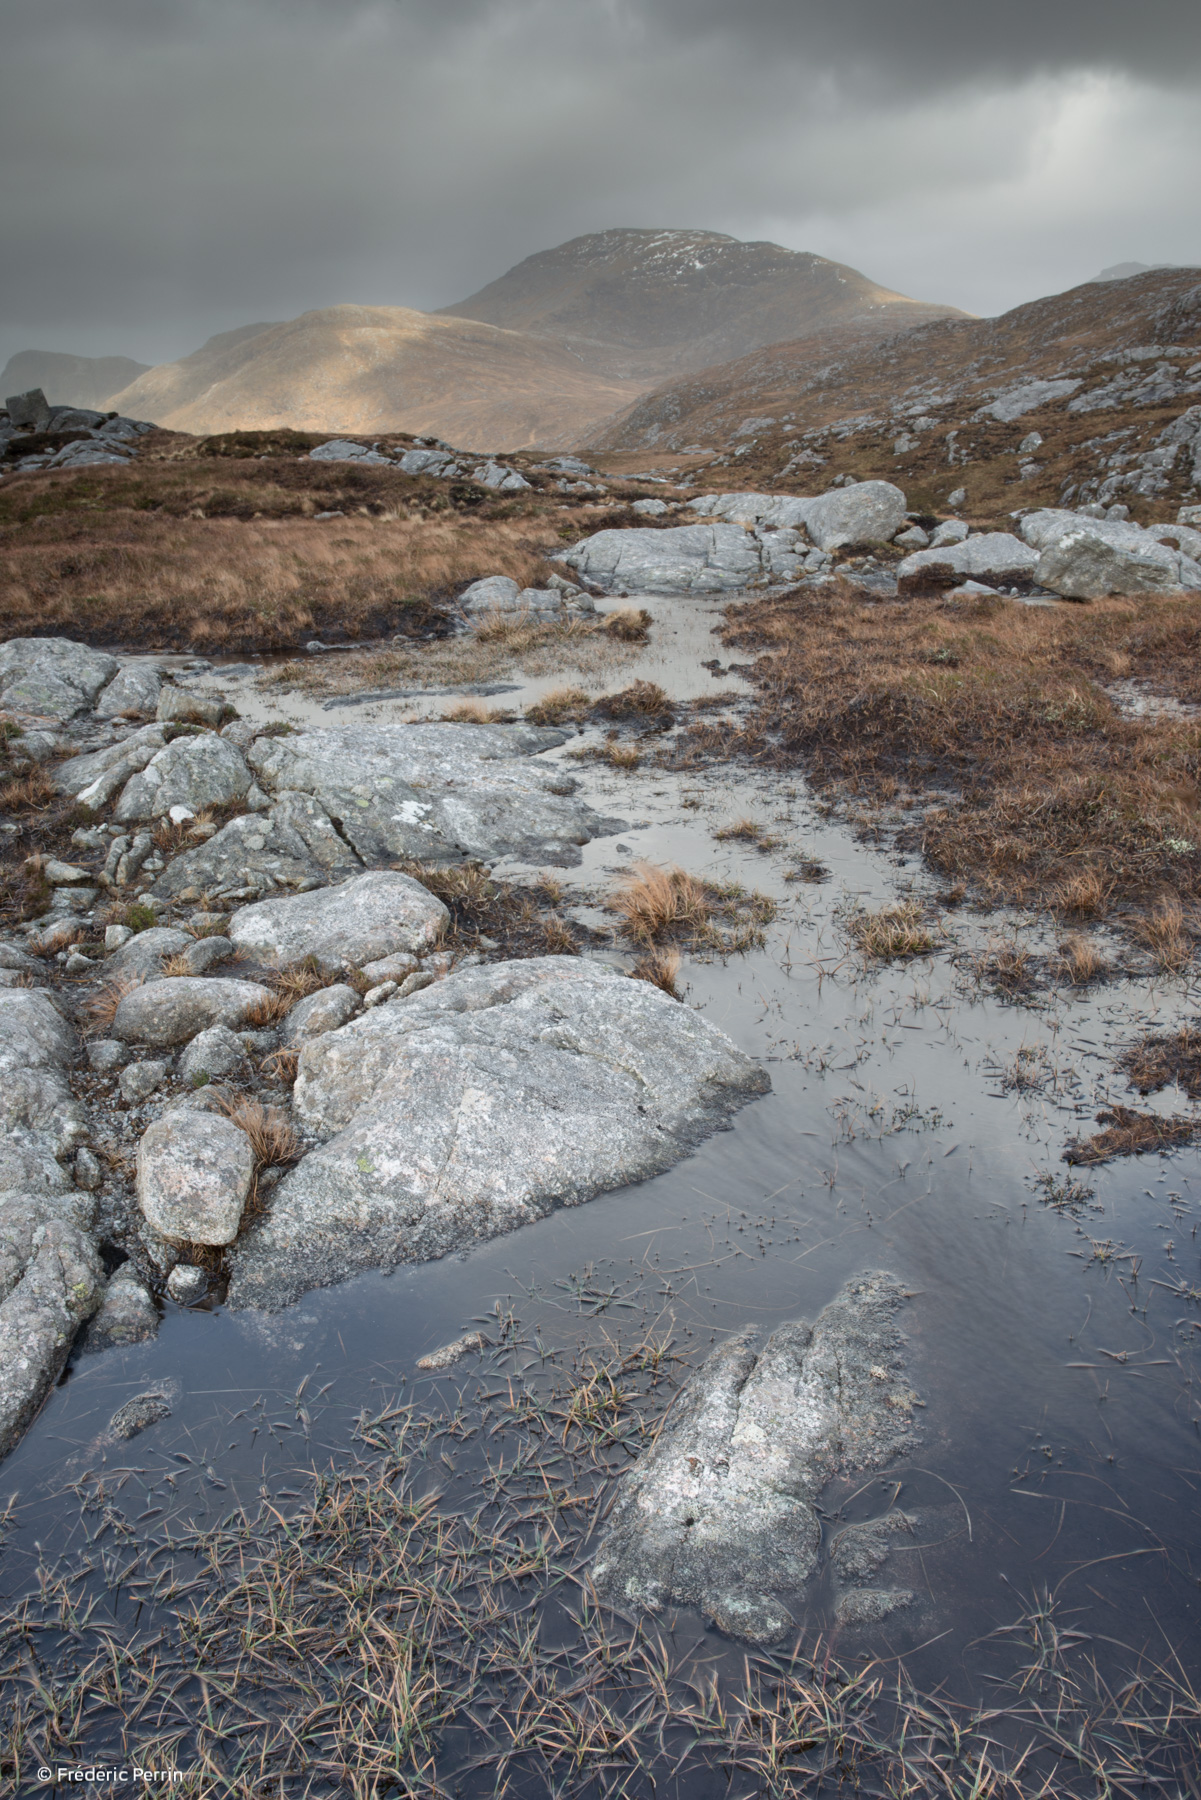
916 1124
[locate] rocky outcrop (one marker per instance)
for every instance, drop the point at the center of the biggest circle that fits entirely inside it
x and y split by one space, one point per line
498 595
195 772
193 1177
720 1512
51 1282
371 916
1086 558
478 1105
293 845
687 558
994 558
172 1011
53 678
436 793
67 436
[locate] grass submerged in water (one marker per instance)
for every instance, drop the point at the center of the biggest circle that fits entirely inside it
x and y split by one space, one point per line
421 1623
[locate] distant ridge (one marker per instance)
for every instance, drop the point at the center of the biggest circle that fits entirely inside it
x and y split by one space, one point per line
69 380
541 357
1123 271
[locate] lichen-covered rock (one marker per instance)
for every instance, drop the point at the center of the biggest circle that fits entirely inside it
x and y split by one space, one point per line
39 1116
366 917
133 690
867 512
719 1513
993 556
437 793
53 678
142 956
680 559
171 1011
127 1313
210 1055
194 1171
141 1079
1089 559
95 777
326 1010
58 1289
204 770
479 1105
292 846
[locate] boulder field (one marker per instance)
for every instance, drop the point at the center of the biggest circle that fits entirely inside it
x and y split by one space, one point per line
438 1099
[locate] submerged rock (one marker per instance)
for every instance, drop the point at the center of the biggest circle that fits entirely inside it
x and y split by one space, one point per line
719 1513
368 917
479 1105
139 1414
127 1313
448 1354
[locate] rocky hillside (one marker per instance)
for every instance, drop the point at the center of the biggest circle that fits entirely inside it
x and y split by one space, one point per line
1068 400
69 380
544 356
648 303
381 368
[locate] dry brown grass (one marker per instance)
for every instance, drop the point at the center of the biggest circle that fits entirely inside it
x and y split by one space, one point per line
101 1009
1169 935
272 1137
652 902
747 828
1080 961
620 756
892 933
271 1010
630 624
33 792
233 584
282 1065
560 706
661 967
1130 1133
1056 798
1159 1060
474 712
178 965
643 701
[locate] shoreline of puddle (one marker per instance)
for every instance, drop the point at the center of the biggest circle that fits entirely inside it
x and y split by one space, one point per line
1055 1355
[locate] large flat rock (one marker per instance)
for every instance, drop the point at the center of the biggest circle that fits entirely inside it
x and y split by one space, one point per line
478 1105
52 678
362 919
437 793
719 1513
686 558
293 846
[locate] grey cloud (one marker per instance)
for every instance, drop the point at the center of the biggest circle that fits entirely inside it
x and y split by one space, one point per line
176 167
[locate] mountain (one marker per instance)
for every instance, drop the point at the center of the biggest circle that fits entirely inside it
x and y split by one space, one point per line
543 356
69 380
381 368
1095 376
647 303
1123 271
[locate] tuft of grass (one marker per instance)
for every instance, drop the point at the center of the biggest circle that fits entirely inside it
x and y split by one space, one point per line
1165 931
630 625
271 1010
661 967
282 1065
177 965
1080 961
1161 1059
1130 1133
643 701
745 827
32 792
474 712
272 1138
620 756
1081 896
101 1009
561 706
138 917
653 901
892 933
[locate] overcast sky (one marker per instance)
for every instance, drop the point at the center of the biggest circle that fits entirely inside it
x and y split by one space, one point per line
174 168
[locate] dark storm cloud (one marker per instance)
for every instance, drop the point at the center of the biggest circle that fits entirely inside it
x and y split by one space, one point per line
176 167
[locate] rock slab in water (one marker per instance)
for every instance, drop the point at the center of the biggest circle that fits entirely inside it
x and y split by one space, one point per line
479 1105
127 1313
719 1513
194 1172
367 917
51 1282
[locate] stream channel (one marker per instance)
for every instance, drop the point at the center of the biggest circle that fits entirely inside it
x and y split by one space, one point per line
912 1114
